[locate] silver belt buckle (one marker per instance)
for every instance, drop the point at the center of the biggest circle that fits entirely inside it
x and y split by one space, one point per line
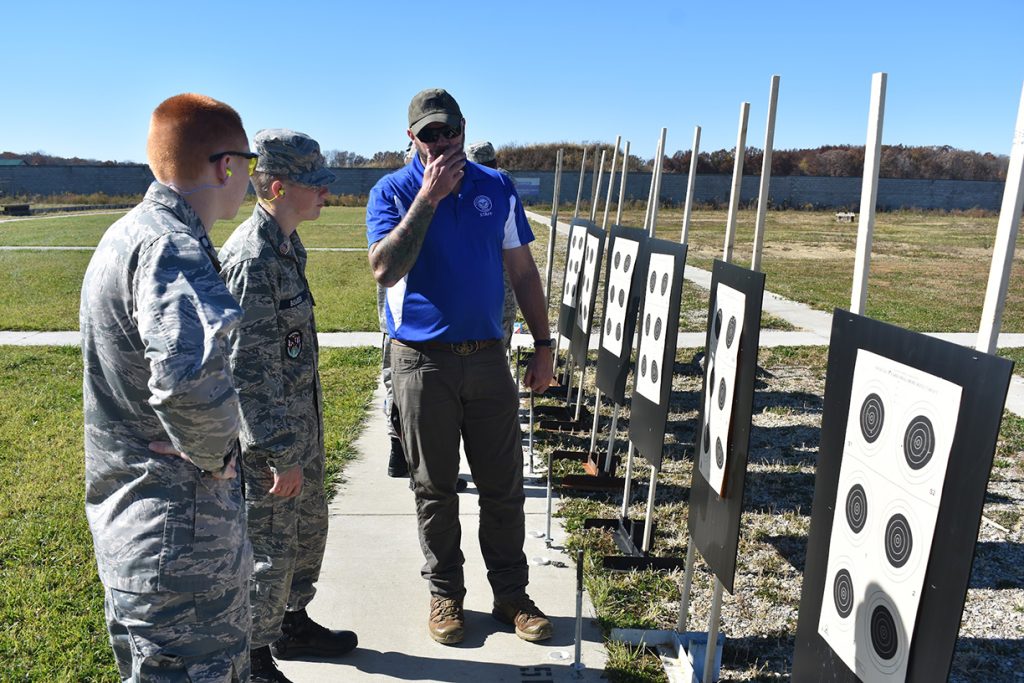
465 348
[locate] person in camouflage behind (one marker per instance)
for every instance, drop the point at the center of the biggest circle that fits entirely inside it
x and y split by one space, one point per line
162 496
274 357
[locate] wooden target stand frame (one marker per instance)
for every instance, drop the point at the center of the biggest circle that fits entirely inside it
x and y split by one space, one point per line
983 380
653 377
624 268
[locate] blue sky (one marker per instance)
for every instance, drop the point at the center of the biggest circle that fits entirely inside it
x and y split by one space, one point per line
82 78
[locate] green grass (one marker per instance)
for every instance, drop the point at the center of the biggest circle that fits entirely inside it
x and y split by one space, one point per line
40 290
51 601
338 226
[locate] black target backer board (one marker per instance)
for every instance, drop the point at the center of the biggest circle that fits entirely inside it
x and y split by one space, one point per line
590 273
658 327
918 403
714 520
571 280
624 269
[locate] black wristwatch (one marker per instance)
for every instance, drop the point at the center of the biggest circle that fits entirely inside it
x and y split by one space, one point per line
537 343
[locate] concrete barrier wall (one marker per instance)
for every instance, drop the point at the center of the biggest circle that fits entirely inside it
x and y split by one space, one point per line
538 186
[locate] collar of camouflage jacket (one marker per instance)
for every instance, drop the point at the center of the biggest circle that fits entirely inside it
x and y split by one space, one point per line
161 194
285 246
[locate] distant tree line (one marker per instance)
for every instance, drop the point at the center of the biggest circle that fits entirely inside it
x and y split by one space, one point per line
898 161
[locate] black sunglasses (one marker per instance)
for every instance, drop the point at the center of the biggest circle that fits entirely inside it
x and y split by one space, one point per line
251 156
432 134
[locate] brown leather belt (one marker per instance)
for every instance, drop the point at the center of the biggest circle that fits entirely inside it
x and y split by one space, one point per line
462 348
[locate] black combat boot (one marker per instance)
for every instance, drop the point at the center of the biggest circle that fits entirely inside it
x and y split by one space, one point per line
397 467
303 637
262 667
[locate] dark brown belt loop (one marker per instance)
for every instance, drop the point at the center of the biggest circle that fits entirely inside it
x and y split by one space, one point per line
462 348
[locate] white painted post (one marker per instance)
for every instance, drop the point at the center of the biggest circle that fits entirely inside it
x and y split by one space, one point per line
868 194
659 166
594 183
766 175
579 190
1006 239
597 188
691 182
611 182
650 192
622 184
737 181
553 230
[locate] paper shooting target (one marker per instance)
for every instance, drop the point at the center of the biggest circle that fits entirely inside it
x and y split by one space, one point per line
722 439
659 326
590 271
721 356
888 559
571 283
625 266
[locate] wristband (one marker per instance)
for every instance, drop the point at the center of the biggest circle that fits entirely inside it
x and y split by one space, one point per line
537 343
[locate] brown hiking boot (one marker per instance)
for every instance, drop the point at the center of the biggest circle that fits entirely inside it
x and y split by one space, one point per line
446 620
530 622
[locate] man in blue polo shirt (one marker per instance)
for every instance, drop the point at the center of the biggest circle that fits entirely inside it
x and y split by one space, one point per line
439 230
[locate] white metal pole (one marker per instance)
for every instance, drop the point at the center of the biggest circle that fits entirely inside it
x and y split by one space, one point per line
652 197
611 182
691 182
597 413
622 184
1006 239
868 194
684 598
611 438
553 230
649 520
737 182
716 617
593 185
579 190
766 175
629 478
597 187
659 167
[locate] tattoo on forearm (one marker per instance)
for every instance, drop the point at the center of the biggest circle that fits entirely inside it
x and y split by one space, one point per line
395 255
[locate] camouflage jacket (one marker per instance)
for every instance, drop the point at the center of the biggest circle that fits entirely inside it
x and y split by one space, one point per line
154 320
274 351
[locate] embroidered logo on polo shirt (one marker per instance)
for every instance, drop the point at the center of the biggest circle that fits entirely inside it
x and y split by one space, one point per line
483 205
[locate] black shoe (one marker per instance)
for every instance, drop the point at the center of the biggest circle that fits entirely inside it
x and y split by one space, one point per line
263 669
397 466
303 637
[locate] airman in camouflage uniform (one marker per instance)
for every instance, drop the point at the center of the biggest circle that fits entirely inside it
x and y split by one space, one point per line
274 358
161 415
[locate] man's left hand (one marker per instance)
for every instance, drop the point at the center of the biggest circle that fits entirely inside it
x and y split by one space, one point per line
539 370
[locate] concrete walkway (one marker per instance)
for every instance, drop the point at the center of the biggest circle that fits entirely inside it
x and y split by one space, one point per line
370 583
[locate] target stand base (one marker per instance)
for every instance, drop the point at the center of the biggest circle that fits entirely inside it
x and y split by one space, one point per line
562 454
682 654
591 482
628 535
562 420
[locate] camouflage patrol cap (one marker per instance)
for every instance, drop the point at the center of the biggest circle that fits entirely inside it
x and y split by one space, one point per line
480 152
289 154
433 105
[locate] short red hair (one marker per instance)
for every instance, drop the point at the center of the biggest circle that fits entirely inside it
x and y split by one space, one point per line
185 130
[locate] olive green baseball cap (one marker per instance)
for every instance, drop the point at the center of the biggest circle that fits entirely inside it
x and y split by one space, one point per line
433 105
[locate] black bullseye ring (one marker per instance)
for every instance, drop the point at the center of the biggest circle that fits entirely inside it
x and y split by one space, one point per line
730 331
884 636
899 540
842 593
856 508
919 442
872 417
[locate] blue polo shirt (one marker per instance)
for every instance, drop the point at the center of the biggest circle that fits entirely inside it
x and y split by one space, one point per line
455 291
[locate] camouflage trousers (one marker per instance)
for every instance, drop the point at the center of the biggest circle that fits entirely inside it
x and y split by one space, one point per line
288 537
180 637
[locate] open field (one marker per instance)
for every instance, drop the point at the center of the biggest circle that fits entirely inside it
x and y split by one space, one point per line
759 619
928 270
51 601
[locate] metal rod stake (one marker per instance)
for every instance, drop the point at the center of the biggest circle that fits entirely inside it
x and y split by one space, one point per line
611 438
649 521
593 430
629 478
579 610
716 613
684 598
531 431
547 528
